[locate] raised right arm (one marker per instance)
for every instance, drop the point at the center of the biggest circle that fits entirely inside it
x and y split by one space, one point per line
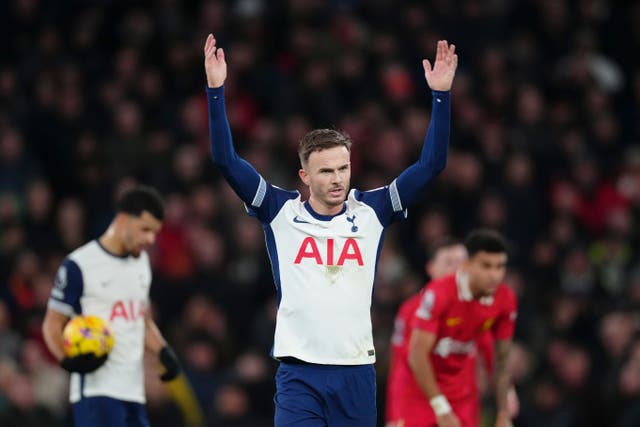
242 177
261 199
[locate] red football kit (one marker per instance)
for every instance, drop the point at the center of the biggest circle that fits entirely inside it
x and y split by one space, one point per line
446 308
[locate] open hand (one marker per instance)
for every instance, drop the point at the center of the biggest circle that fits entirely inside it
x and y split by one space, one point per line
440 77
214 64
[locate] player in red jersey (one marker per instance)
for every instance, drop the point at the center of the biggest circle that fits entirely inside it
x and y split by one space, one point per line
454 312
444 258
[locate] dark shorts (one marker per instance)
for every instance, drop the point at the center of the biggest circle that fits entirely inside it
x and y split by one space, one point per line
103 411
309 395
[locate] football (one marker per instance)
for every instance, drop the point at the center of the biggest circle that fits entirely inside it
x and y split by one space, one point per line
87 334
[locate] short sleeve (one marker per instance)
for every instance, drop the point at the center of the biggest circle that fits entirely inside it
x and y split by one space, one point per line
268 201
67 289
429 313
506 323
385 201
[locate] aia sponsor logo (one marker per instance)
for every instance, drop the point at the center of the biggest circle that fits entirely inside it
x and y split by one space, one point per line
326 253
128 310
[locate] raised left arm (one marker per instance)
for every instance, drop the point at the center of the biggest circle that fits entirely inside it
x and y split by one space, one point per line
433 157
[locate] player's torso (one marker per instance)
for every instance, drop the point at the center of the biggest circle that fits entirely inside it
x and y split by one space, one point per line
116 289
461 324
324 270
459 321
464 322
320 259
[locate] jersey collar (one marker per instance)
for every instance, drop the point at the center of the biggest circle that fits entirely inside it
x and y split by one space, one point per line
108 252
320 217
462 283
464 290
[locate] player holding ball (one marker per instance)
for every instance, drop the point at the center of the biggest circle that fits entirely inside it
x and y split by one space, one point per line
107 281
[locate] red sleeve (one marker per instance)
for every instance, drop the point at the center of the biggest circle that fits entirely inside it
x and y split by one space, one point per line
430 311
506 322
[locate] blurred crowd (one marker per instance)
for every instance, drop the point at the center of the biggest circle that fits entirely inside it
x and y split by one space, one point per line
97 95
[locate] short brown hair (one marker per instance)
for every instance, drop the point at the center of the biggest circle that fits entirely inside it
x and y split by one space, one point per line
321 139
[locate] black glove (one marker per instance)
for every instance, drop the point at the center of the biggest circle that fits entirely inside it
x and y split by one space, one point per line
170 362
83 363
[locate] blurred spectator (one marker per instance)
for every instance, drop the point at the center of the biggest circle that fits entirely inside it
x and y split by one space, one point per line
231 408
48 382
9 337
22 409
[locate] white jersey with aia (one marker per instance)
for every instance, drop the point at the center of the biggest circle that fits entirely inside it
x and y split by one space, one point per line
93 281
324 268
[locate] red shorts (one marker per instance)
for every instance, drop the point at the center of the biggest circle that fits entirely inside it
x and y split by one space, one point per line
413 412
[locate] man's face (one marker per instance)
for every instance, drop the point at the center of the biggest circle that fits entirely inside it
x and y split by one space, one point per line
328 173
446 261
486 271
139 232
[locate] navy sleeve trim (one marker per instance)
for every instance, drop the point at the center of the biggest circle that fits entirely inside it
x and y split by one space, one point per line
262 191
396 203
68 289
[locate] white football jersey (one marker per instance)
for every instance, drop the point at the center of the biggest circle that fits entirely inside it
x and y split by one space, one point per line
324 266
324 269
93 281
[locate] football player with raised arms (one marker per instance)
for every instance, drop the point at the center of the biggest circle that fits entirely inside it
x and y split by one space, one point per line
324 252
454 312
110 278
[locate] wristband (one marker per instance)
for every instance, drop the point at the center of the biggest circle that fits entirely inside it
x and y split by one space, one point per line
440 405
170 362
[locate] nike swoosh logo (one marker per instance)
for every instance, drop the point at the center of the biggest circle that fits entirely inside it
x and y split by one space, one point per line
300 221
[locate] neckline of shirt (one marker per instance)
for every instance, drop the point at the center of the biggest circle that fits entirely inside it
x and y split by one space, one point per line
321 217
108 252
464 290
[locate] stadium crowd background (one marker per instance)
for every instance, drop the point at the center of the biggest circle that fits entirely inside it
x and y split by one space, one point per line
96 95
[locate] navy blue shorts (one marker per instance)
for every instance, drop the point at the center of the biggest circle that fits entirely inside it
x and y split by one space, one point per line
309 395
103 411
